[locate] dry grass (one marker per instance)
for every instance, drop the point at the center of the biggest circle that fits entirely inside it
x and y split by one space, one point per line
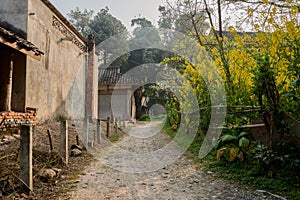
42 158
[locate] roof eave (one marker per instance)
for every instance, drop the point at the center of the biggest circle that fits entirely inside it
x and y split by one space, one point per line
17 47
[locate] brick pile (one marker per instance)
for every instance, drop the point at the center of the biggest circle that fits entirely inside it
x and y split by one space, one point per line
10 119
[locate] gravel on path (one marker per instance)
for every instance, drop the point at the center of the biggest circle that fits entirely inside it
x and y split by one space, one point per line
112 176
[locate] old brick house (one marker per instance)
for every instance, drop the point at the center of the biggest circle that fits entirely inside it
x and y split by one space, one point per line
54 82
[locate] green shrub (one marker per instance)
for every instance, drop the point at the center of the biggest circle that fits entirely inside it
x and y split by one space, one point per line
145 117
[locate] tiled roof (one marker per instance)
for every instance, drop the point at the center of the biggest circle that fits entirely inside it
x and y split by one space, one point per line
21 43
112 76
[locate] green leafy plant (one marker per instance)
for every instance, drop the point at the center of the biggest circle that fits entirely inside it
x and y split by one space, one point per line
233 146
285 158
172 108
145 117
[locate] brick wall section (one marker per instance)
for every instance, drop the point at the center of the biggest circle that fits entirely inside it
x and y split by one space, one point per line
90 77
12 119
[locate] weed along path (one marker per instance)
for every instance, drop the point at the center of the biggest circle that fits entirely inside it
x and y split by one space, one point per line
130 169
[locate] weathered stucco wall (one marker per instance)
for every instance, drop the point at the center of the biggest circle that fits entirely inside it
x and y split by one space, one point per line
112 101
55 84
14 12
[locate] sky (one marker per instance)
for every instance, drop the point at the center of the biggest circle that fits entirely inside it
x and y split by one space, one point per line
124 10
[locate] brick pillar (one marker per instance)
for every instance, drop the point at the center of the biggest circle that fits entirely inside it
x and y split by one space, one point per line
91 80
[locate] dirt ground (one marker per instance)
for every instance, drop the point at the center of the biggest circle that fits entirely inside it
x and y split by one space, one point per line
55 188
120 170
124 171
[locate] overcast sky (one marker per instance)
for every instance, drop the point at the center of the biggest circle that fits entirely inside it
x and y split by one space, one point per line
124 10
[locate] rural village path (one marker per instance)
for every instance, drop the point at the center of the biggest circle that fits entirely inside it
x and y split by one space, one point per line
108 177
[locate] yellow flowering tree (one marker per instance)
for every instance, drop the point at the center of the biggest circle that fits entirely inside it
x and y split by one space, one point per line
258 68
265 65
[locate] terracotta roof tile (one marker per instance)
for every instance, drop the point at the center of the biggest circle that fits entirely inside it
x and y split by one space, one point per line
22 43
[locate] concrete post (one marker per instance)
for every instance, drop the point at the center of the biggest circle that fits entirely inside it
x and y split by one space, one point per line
119 121
85 139
91 144
26 158
64 141
123 126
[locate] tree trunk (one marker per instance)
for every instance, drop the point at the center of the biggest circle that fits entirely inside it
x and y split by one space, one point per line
220 19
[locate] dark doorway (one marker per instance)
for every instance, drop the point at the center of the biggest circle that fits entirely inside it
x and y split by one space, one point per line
8 57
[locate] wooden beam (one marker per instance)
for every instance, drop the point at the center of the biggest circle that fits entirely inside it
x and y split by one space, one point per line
18 48
241 127
7 103
114 87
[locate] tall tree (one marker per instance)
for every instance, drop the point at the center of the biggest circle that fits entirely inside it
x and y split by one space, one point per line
81 20
142 37
103 26
188 17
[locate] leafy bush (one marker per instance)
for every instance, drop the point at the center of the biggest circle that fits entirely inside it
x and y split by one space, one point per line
285 160
233 145
145 117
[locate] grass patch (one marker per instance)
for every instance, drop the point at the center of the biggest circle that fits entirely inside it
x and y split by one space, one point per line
115 137
195 145
159 117
244 173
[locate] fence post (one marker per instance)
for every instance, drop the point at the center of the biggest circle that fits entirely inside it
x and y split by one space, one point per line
26 158
64 141
85 139
98 131
123 121
120 122
108 126
95 132
116 125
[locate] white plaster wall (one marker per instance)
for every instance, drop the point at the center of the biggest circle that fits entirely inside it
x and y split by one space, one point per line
104 102
55 84
117 104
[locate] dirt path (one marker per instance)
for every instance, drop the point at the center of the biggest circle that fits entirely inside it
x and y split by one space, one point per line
112 175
